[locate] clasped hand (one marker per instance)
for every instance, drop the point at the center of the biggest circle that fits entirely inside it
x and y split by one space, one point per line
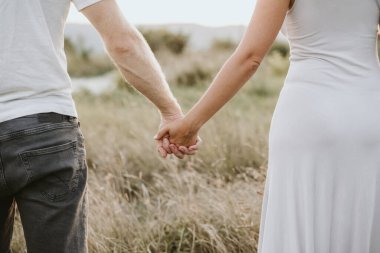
177 137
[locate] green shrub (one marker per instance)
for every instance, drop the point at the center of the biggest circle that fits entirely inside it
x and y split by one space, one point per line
280 47
223 44
83 63
278 64
122 84
194 76
161 39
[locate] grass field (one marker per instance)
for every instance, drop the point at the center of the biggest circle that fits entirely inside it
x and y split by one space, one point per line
207 203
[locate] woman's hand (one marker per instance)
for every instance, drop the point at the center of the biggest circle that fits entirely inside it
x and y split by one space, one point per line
164 144
180 137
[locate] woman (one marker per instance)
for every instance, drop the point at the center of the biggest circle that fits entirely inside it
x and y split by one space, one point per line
322 191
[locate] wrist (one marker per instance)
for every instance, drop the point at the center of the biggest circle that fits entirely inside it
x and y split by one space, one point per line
193 123
171 111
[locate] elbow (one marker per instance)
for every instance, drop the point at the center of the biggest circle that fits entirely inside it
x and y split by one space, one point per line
251 61
122 44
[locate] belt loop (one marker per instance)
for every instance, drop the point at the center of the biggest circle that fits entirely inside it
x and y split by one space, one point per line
70 119
49 118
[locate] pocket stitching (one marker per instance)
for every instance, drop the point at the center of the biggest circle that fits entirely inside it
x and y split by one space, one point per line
51 150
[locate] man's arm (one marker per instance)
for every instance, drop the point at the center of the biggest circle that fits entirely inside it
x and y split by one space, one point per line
133 57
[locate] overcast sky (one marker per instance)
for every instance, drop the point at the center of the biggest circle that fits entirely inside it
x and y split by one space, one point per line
205 12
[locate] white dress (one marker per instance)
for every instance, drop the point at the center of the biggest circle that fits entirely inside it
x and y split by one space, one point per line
322 191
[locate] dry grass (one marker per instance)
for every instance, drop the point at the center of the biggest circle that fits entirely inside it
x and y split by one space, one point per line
210 203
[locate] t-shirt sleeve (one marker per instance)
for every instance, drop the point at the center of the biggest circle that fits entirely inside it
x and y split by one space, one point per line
81 4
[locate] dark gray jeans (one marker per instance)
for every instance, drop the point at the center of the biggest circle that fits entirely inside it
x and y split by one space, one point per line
43 170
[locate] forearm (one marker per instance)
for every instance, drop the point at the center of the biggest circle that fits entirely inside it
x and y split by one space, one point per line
141 69
132 55
265 24
233 75
260 35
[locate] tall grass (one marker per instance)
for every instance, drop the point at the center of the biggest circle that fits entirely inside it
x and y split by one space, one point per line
141 203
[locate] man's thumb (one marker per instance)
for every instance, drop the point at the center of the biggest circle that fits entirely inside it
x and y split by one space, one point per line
161 133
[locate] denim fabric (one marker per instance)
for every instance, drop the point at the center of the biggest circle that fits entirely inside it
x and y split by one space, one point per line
43 171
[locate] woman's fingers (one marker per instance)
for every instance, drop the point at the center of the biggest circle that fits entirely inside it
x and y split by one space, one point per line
176 151
166 147
183 149
196 146
186 151
192 150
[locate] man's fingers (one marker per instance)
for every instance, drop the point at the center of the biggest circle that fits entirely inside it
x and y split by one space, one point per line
162 152
160 149
166 145
159 143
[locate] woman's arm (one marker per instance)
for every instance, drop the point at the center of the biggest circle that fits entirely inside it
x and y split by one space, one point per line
263 29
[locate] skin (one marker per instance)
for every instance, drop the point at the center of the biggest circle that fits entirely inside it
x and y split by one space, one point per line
135 60
262 31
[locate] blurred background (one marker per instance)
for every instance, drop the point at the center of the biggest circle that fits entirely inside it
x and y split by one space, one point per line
209 203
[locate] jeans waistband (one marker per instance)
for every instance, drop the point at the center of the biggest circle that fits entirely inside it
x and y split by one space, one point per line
52 117
35 119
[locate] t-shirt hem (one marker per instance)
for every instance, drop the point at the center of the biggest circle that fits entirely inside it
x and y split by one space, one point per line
80 5
30 111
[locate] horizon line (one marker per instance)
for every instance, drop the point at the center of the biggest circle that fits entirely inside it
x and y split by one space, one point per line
174 23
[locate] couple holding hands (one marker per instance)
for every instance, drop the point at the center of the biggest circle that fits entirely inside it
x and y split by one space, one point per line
322 189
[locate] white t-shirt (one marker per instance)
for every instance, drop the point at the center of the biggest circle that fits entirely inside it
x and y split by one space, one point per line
33 66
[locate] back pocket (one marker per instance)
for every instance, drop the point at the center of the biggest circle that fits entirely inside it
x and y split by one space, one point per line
53 171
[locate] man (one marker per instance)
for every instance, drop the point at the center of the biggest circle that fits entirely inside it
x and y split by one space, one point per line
42 155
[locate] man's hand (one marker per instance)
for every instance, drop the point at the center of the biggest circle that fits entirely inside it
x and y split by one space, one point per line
166 147
178 138
163 143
